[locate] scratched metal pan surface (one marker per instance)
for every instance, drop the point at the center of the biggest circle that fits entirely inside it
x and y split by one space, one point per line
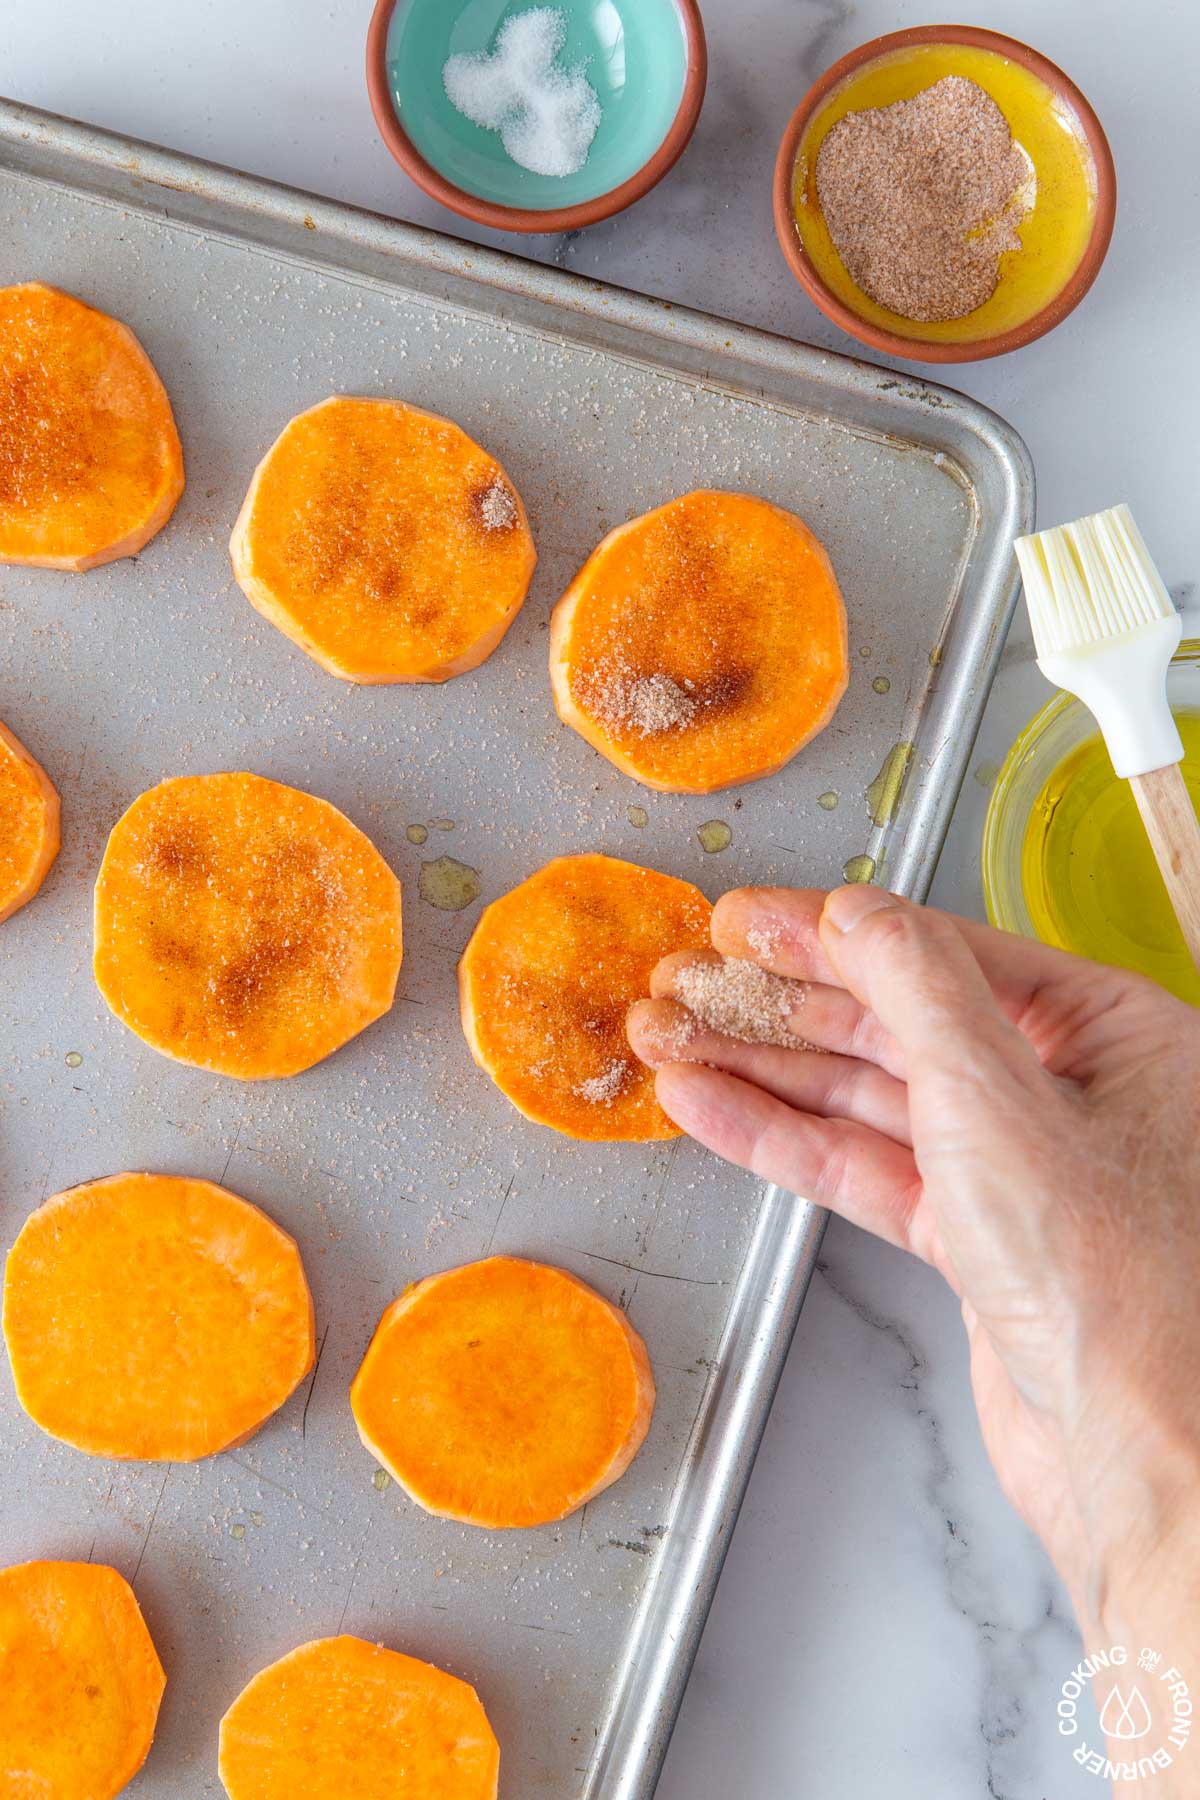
397 1156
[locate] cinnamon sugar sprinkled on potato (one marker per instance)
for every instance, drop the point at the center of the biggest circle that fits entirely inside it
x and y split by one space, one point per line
90 463
548 977
384 542
702 644
244 926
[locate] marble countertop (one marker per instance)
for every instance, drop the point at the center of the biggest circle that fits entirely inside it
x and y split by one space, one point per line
884 1625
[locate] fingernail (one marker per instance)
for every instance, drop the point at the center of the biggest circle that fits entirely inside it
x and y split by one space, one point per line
846 907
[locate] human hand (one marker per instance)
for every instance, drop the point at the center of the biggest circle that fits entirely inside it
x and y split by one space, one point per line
1027 1122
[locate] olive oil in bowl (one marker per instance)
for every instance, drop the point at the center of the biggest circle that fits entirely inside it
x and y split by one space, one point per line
1089 877
1066 858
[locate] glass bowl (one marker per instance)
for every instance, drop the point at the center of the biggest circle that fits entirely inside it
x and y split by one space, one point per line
1061 727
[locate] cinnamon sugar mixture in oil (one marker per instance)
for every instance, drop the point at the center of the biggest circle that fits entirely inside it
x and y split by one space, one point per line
923 197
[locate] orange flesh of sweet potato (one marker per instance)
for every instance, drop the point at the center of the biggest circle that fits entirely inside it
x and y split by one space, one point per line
383 541
90 463
504 1393
28 824
701 645
244 926
80 1682
546 981
188 1358
341 1719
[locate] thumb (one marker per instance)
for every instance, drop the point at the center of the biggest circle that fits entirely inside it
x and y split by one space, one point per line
912 968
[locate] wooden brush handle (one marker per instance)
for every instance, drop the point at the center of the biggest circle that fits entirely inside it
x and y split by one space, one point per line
1174 833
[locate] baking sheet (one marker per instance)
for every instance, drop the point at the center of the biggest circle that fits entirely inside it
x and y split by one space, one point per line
397 1156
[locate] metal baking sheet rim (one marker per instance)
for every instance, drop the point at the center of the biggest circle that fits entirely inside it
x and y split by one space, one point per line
781 1257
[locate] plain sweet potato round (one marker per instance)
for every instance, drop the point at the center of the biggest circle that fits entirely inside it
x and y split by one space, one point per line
341 1719
504 1393
189 1357
29 814
80 1682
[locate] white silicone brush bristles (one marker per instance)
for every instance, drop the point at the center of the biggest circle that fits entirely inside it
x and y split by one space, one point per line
1105 630
1091 581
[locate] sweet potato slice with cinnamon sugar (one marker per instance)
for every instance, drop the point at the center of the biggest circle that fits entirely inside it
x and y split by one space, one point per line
189 1358
383 541
701 645
244 926
546 981
90 463
28 824
80 1682
341 1719
504 1393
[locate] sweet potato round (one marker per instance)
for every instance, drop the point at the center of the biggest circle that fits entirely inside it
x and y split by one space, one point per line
547 978
188 1358
28 824
243 926
504 1393
341 1719
383 541
701 645
80 1682
90 463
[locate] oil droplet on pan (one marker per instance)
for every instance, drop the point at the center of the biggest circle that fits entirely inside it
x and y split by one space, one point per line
882 685
256 1518
442 824
381 1479
416 834
986 773
638 816
827 801
935 656
237 1531
883 795
859 868
714 836
449 884
73 1059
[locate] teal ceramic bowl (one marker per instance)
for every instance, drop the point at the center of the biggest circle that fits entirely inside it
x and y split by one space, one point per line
646 60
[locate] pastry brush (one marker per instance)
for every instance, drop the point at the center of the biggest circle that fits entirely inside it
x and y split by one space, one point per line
1105 630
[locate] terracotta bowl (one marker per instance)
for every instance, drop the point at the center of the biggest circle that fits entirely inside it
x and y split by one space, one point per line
916 348
440 186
